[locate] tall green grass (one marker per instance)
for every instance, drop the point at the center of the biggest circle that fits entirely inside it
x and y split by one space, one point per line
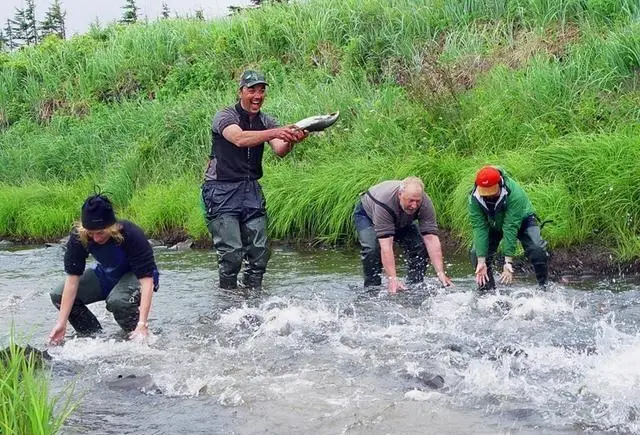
428 88
26 405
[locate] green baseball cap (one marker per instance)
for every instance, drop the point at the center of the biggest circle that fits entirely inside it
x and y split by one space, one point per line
251 78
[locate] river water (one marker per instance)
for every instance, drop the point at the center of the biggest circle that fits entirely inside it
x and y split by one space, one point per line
315 353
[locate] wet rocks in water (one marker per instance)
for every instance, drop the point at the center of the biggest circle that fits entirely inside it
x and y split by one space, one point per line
275 305
156 243
347 312
350 342
285 330
508 351
251 321
426 379
430 380
502 306
182 246
454 347
29 353
143 384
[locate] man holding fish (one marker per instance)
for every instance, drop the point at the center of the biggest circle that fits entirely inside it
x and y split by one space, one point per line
232 197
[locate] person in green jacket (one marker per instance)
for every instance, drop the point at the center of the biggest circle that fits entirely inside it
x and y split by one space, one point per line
500 211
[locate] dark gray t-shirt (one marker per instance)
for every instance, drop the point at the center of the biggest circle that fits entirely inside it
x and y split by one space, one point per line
386 220
223 119
229 116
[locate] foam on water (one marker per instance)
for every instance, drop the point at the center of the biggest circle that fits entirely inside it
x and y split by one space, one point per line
99 349
324 357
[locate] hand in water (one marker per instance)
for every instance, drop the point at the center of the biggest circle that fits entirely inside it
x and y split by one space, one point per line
482 277
140 334
445 280
507 274
56 336
394 284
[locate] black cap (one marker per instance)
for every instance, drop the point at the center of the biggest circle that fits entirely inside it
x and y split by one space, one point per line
97 213
251 78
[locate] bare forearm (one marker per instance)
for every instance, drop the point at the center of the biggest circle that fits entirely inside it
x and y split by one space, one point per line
280 147
250 138
387 257
434 249
146 295
69 293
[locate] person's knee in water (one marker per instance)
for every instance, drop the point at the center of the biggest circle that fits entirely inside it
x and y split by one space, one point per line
122 252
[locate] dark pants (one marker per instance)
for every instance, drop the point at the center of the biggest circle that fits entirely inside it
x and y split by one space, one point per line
235 213
123 301
408 238
535 249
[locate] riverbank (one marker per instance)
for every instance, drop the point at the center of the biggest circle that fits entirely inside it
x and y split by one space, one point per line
588 260
550 92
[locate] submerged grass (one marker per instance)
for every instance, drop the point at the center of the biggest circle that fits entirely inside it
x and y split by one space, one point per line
548 89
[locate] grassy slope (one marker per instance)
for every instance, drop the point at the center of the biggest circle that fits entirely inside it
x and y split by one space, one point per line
548 89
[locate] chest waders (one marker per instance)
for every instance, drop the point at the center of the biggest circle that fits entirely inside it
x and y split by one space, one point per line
235 209
409 238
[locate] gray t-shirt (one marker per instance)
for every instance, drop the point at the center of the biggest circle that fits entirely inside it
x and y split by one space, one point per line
229 116
227 155
387 215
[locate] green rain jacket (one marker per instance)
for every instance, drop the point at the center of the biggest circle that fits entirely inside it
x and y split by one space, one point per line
512 207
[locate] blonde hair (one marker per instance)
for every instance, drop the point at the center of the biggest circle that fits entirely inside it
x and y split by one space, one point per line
114 232
412 182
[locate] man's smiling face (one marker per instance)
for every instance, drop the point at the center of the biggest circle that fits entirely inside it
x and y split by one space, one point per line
251 98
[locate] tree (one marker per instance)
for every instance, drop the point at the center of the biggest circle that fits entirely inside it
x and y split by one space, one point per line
165 11
260 2
30 24
9 37
199 14
18 28
130 14
54 21
254 4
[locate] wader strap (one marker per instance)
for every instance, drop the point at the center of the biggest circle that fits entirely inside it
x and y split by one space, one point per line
385 206
541 222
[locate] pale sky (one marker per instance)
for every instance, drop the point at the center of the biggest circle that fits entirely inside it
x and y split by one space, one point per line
81 13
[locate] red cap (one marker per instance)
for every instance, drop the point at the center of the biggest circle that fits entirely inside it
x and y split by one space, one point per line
488 181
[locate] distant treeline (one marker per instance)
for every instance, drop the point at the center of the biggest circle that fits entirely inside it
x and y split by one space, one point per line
23 29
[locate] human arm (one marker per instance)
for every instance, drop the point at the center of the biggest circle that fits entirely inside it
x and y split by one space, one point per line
482 274
282 147
69 292
506 277
250 138
389 265
75 259
518 208
142 262
480 228
429 230
434 249
146 295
